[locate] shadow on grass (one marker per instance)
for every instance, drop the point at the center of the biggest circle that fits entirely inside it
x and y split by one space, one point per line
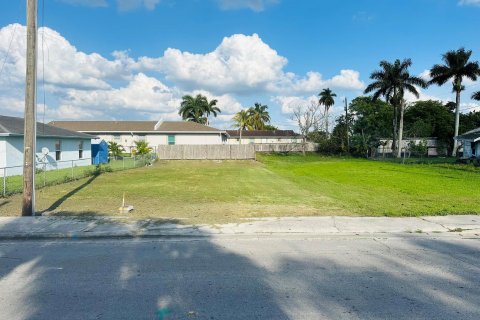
66 196
4 202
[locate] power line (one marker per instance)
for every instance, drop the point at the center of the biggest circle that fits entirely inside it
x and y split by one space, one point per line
11 40
8 50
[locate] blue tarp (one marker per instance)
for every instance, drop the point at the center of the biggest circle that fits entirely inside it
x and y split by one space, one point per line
99 152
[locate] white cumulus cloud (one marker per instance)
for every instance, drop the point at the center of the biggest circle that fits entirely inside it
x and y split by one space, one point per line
469 2
242 64
255 5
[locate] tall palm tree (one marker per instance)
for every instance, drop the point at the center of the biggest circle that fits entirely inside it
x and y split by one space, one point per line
259 116
456 67
392 82
476 96
242 121
327 100
197 109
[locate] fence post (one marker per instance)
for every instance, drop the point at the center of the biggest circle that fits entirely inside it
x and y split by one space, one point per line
123 162
44 174
4 182
73 175
134 164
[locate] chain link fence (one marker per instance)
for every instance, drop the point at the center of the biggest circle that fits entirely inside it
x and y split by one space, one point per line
52 173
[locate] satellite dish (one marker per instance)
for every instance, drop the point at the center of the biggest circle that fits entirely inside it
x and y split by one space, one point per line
45 151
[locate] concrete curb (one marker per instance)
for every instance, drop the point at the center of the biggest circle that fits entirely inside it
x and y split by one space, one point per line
44 228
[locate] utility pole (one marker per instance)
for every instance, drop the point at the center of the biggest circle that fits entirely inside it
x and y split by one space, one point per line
30 125
346 125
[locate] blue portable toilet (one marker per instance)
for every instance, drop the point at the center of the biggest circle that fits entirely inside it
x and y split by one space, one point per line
99 151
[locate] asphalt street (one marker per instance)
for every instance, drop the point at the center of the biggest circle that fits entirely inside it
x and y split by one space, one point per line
411 276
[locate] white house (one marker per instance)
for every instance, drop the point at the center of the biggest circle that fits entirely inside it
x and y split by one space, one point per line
263 137
155 133
471 143
433 148
65 147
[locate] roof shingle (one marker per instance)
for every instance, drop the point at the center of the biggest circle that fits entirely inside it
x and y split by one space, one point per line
263 134
133 126
473 134
15 126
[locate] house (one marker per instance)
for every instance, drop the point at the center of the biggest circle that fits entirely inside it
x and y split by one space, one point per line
263 137
471 143
433 146
155 133
56 148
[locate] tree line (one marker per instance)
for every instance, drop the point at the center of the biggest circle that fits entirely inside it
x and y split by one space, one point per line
371 118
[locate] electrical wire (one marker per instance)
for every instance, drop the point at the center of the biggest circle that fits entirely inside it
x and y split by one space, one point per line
8 50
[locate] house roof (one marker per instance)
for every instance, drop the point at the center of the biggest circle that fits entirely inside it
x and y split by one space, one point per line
263 134
470 135
106 126
13 126
134 126
184 126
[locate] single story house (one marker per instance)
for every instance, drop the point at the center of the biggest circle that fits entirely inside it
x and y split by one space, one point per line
263 137
433 148
155 133
471 143
64 147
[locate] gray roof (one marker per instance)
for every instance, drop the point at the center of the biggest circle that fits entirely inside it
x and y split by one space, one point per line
106 126
184 126
263 134
13 126
134 126
470 135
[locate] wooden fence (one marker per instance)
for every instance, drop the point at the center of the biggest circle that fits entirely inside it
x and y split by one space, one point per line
206 152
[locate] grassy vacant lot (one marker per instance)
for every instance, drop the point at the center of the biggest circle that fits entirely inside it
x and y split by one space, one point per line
221 191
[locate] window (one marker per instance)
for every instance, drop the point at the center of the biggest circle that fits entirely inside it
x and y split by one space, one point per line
58 150
80 150
117 138
171 140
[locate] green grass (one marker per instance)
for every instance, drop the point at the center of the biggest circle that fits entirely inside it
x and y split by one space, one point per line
375 188
224 191
14 184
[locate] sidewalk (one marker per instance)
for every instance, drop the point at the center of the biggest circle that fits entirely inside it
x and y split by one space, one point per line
86 228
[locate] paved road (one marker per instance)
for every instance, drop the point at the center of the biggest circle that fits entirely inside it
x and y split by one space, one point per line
337 277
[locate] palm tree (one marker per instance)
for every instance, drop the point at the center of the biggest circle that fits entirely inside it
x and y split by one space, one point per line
392 82
242 121
197 109
259 116
456 67
115 149
476 96
142 147
327 100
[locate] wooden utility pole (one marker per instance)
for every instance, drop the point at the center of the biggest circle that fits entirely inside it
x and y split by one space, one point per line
28 203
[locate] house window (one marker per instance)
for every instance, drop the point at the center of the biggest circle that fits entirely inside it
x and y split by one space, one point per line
171 140
80 150
58 150
117 138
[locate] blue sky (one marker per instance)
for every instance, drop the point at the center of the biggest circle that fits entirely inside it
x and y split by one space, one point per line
278 52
